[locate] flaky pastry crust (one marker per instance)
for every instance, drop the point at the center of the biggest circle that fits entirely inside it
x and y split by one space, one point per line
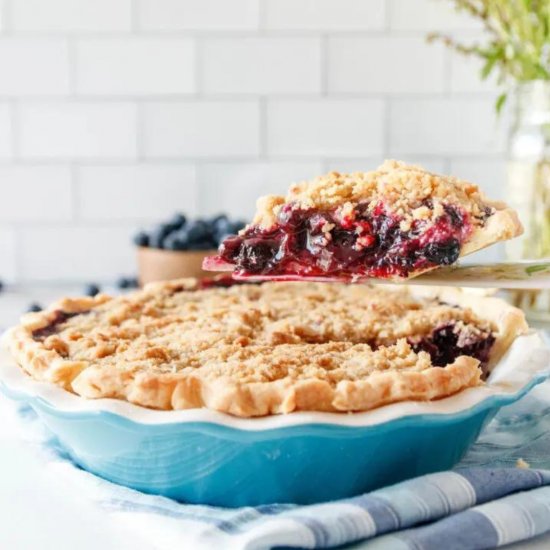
254 350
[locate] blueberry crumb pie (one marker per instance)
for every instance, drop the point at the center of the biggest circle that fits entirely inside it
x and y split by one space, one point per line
392 223
271 348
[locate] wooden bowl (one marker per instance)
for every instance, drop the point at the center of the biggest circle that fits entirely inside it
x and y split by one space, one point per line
155 264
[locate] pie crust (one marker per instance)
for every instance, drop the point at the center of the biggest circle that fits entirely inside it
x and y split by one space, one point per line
254 350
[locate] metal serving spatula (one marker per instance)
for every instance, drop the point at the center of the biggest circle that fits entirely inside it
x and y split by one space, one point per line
534 275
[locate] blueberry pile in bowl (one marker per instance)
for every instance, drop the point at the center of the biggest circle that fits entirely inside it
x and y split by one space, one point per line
176 248
179 233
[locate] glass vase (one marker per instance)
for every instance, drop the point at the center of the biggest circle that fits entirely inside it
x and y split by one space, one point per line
529 186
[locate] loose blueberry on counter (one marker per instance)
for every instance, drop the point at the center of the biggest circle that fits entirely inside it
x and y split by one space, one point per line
141 239
1 286
34 307
133 282
92 290
127 282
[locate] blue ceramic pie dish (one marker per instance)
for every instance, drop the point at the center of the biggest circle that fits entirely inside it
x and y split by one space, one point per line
206 457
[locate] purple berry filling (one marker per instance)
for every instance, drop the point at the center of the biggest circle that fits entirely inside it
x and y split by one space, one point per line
445 344
52 327
369 243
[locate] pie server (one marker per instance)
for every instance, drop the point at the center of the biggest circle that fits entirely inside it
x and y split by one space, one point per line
533 275
528 275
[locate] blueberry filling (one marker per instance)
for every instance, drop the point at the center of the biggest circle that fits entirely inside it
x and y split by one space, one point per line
256 255
371 243
443 253
445 344
59 318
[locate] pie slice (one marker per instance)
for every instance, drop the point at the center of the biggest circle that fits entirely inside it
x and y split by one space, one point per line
393 223
260 349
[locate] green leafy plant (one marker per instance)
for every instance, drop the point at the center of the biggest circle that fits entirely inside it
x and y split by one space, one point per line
517 47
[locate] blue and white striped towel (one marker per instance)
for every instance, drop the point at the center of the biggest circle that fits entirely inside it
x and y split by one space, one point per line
469 508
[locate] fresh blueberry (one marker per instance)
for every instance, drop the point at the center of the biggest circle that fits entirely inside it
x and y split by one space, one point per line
159 233
222 230
236 226
92 290
34 307
179 240
178 220
215 220
220 224
1 286
141 239
169 242
133 282
197 231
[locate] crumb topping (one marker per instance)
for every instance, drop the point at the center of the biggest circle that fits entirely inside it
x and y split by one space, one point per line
255 333
403 189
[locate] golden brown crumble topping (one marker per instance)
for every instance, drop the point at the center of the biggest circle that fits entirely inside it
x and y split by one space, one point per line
402 188
260 332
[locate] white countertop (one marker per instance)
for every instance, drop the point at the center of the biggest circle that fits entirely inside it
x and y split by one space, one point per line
36 517
40 518
35 514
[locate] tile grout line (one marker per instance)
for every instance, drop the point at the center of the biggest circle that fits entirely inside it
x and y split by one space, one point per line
388 12
134 17
324 69
17 254
262 16
263 129
15 128
75 193
72 61
213 97
198 73
387 133
7 18
232 33
141 153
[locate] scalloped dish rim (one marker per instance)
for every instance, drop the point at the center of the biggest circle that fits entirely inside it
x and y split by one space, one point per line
506 384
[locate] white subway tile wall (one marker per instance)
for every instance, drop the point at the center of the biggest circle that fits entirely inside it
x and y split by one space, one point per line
116 113
75 130
325 127
135 66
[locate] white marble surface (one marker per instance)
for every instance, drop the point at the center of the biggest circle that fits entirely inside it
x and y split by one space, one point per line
37 514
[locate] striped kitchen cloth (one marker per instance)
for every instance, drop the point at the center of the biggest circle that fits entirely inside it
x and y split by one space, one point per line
468 508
